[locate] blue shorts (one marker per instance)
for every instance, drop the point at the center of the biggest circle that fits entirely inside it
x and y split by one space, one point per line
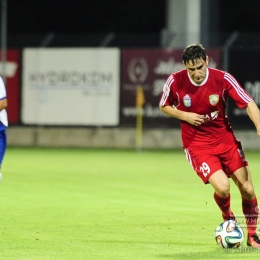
2 145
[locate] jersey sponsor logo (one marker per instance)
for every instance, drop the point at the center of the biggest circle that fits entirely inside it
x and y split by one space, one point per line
187 101
213 99
214 115
211 116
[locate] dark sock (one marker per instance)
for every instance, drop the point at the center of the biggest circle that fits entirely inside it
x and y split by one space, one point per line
224 205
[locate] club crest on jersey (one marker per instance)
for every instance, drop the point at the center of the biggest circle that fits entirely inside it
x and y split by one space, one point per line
213 99
187 101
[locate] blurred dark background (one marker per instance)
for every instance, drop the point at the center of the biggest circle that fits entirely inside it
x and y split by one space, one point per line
132 23
82 16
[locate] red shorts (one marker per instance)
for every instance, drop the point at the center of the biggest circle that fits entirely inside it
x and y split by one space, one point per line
228 157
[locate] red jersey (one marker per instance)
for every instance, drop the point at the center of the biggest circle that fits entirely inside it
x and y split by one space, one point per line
208 99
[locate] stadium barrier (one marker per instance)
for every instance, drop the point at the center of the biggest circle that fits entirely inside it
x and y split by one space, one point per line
96 89
118 137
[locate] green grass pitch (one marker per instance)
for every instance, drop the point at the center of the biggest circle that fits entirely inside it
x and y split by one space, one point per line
110 205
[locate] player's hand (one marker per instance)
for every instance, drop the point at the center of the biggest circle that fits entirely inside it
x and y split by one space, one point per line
194 119
258 132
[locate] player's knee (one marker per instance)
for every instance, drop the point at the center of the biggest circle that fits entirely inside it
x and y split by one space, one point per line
221 183
248 190
223 191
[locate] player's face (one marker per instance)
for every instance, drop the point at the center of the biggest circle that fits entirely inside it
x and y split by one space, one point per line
197 70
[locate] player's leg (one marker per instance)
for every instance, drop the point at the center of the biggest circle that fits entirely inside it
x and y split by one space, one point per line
242 178
221 185
209 169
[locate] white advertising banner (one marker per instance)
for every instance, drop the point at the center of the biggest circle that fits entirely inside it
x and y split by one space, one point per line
71 86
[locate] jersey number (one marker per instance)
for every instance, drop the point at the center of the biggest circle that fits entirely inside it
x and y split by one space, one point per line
204 168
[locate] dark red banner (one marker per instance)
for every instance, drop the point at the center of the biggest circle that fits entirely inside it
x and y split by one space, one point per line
243 65
149 69
12 77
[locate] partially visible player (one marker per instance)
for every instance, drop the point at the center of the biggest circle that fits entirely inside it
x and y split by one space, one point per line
3 122
197 96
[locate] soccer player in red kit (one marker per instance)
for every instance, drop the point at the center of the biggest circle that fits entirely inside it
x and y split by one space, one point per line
197 96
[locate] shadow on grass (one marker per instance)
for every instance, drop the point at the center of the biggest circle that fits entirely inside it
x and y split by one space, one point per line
216 254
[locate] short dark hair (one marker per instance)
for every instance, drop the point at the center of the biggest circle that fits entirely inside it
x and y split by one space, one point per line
193 52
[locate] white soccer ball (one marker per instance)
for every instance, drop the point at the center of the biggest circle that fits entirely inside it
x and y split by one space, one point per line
229 234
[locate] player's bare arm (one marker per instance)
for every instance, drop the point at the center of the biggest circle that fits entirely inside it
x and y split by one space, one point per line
3 104
254 114
189 117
